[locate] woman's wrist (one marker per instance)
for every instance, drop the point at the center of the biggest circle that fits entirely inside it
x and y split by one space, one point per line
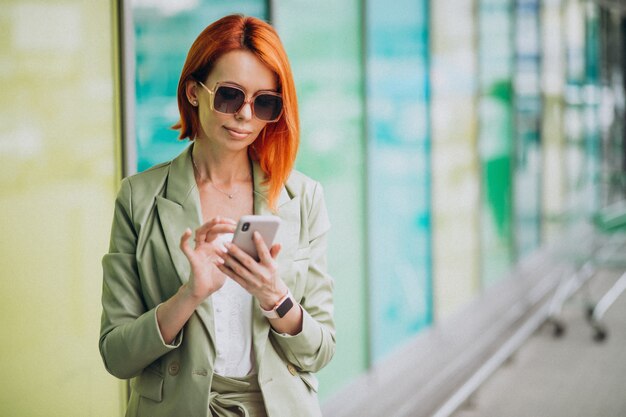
269 303
188 294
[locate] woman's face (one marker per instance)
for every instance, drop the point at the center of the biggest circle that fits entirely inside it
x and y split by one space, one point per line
237 131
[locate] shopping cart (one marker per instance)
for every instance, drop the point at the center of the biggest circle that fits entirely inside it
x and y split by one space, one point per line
598 244
610 222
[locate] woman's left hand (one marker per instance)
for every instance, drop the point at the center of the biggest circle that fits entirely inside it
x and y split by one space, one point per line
261 279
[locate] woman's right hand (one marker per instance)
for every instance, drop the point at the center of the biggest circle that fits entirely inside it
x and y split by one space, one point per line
205 277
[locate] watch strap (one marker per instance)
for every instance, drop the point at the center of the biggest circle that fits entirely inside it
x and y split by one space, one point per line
281 308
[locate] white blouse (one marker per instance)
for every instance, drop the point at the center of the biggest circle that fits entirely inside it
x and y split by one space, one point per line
232 313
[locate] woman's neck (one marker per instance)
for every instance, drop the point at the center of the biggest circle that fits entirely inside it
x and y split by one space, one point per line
223 168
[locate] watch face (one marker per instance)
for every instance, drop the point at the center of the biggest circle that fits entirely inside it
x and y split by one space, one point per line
284 308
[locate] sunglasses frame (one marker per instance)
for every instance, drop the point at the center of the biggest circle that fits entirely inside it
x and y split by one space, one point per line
245 101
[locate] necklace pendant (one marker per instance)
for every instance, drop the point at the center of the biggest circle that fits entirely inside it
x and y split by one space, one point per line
230 196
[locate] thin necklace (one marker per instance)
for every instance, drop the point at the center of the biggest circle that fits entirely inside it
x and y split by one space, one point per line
229 195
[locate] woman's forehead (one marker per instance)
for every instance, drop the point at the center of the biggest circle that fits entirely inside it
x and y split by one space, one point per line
243 68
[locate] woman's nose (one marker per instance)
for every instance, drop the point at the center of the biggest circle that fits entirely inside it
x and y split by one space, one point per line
245 112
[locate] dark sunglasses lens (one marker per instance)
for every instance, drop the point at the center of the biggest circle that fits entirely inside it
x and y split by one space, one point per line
228 99
268 106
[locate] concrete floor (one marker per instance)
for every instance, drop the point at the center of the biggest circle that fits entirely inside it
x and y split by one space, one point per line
570 376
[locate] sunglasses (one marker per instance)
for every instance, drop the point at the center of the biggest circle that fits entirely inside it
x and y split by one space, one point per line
230 98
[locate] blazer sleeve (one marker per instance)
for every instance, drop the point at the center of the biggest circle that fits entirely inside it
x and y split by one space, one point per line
312 348
130 338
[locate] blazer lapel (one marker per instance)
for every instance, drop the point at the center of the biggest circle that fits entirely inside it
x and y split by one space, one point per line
178 210
288 209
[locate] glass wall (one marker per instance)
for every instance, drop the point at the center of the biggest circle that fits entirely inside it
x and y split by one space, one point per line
553 149
329 80
495 143
58 139
613 106
527 109
455 173
398 164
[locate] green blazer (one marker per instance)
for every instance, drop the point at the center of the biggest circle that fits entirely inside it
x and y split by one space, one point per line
145 267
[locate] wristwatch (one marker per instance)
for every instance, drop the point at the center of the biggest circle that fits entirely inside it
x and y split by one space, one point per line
281 308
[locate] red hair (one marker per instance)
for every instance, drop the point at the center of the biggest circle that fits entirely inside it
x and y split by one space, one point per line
277 144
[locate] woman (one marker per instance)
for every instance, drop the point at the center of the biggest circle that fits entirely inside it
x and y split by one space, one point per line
203 329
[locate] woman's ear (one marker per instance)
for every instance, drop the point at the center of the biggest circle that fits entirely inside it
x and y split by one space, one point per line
190 90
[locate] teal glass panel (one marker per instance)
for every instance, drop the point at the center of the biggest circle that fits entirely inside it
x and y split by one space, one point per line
575 177
164 32
325 52
495 143
527 168
592 96
398 172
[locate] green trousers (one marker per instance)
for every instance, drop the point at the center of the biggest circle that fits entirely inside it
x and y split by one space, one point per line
236 397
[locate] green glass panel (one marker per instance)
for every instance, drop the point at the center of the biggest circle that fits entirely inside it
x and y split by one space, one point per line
324 48
495 37
592 96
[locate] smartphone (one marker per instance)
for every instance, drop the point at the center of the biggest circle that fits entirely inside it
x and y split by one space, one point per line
267 226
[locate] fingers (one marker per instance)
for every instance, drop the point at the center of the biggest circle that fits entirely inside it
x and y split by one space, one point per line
184 243
256 273
261 247
236 257
235 270
232 275
216 230
217 225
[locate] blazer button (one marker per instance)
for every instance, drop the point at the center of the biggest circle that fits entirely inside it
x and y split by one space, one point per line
174 368
292 370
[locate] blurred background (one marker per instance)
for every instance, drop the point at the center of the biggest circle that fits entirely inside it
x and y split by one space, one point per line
457 141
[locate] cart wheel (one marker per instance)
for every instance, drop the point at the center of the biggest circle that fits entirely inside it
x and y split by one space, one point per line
599 334
558 329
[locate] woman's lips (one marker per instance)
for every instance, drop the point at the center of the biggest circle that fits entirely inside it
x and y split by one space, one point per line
237 133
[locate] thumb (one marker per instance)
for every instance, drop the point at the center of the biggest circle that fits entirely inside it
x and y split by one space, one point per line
184 244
